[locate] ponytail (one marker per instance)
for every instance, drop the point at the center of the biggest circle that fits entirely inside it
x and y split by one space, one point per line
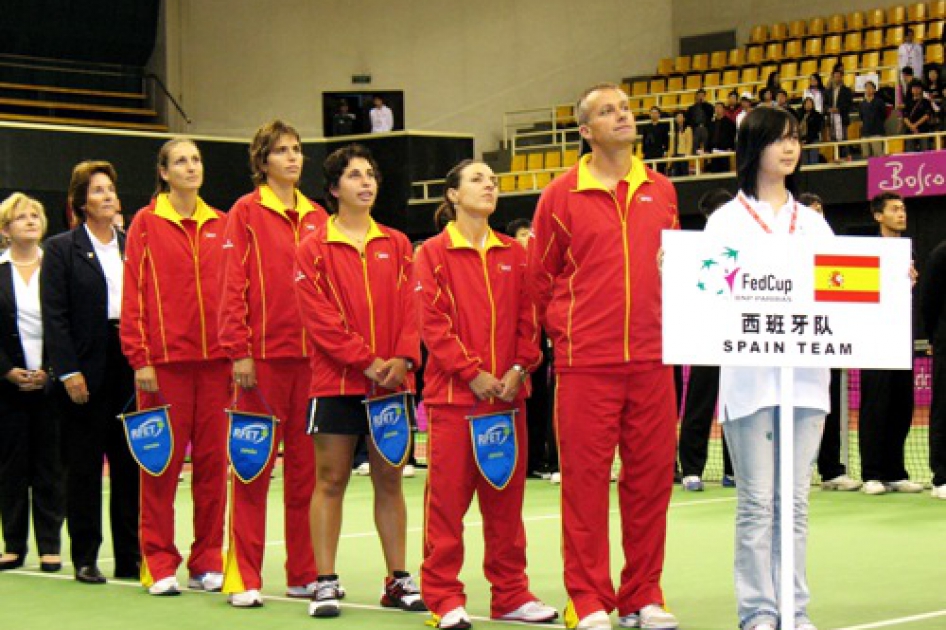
446 211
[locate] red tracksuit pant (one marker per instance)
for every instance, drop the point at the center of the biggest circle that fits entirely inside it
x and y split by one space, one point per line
198 393
632 409
285 385
452 479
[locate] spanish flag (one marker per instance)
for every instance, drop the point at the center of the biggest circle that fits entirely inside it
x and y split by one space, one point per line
847 279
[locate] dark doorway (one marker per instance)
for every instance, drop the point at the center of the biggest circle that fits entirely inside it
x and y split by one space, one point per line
359 104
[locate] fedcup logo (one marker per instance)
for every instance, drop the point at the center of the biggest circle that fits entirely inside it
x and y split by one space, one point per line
149 429
723 276
717 274
495 436
255 433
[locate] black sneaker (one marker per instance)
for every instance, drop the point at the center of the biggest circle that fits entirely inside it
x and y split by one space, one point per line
402 593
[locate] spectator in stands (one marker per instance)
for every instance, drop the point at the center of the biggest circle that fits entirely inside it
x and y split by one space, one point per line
473 371
343 121
766 98
356 300
613 390
698 117
745 106
933 85
833 472
30 465
170 301
382 118
655 139
886 395
917 112
521 230
815 91
681 145
810 124
873 112
767 154
773 83
732 105
81 302
781 101
265 340
701 395
838 102
933 302
909 55
722 138
907 77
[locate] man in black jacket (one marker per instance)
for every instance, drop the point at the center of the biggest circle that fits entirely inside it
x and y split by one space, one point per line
873 113
722 137
698 116
933 300
838 101
656 139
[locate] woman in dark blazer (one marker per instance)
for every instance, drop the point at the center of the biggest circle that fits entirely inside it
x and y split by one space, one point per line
81 297
30 470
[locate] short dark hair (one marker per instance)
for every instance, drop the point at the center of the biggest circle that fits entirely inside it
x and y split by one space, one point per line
761 127
879 202
713 200
870 83
78 194
517 224
810 199
781 92
908 31
701 91
335 165
907 70
733 93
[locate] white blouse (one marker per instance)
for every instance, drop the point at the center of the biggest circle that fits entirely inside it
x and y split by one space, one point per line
29 320
110 257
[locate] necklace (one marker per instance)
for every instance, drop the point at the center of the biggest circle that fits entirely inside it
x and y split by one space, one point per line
28 263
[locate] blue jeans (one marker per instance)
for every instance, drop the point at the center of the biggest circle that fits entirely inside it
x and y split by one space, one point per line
754 447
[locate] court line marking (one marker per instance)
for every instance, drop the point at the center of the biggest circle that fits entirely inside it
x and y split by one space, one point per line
897 621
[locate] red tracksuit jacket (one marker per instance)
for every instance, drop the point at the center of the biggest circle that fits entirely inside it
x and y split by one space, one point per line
257 317
355 307
171 287
475 313
593 266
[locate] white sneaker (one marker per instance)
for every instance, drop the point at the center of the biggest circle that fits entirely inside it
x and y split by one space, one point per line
211 582
307 591
614 476
325 600
596 620
842 483
904 485
555 478
457 619
655 617
768 626
165 587
692 483
363 470
873 487
938 492
246 599
408 471
806 625
532 612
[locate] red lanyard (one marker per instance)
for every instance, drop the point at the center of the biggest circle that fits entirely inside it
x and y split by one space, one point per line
765 226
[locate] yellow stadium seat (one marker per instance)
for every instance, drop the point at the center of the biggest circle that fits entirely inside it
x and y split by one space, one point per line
737 57
507 183
648 101
665 66
793 49
826 66
694 81
773 52
565 115
626 88
788 70
853 42
873 39
888 76
542 180
571 157
525 182
916 12
836 23
731 77
635 103
937 9
797 29
875 18
700 62
639 88
849 79
934 53
897 15
674 84
766 70
718 59
919 32
758 34
808 68
553 159
658 85
518 162
894 36
856 21
798 87
850 63
535 161
814 47
778 31
686 99
934 30
870 60
681 65
711 79
889 58
754 55
832 45
816 26
668 100
750 75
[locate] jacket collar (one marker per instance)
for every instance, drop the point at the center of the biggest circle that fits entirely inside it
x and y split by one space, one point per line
164 209
335 235
458 241
636 176
268 199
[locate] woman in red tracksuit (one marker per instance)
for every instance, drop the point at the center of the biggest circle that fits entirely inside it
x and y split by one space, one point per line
354 294
168 332
479 325
269 349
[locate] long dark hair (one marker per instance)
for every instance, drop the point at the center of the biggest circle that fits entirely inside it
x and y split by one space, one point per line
763 126
446 211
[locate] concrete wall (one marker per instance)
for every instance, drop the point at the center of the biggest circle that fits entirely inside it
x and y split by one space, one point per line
237 63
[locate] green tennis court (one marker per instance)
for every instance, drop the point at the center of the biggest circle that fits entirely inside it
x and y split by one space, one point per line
874 562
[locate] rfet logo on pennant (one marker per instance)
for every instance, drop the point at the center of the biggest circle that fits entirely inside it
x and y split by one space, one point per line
847 279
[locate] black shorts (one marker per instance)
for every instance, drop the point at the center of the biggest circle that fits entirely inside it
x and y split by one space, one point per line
338 415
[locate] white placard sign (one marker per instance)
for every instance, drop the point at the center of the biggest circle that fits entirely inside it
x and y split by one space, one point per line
781 301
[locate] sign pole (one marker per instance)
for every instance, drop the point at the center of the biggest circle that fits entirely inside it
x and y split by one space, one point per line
787 499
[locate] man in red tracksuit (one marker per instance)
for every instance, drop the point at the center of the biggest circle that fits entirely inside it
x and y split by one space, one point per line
594 268
262 333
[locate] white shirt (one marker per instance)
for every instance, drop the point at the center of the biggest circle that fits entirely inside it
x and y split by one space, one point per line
910 55
29 319
110 257
382 119
817 96
745 390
